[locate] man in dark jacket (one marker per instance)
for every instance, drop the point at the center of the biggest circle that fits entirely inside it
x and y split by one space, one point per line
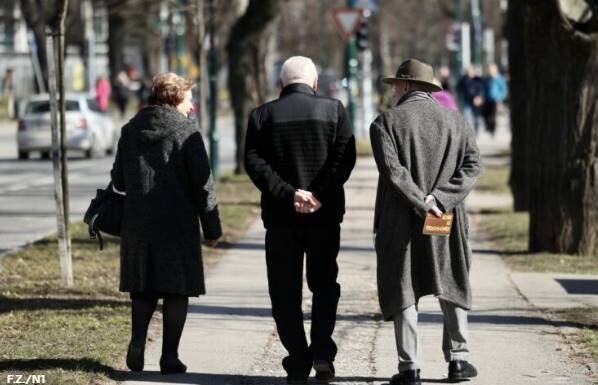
471 90
428 161
299 152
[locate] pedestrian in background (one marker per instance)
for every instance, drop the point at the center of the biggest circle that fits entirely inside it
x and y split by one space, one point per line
8 91
428 162
103 91
300 150
445 97
162 168
495 93
471 90
121 92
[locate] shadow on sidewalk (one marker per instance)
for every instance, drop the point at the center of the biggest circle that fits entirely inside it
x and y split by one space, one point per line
225 379
11 304
39 364
260 246
266 312
496 320
499 252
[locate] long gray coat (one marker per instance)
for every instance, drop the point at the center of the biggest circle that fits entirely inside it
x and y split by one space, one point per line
422 148
161 164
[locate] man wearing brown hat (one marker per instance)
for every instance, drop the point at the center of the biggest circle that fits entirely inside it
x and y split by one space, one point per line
428 162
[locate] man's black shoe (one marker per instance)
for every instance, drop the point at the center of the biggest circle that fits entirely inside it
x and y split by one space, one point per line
297 370
460 370
408 377
324 370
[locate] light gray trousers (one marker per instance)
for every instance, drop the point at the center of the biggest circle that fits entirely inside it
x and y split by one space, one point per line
454 337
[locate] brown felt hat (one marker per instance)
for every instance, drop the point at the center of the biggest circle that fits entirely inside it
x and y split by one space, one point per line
415 71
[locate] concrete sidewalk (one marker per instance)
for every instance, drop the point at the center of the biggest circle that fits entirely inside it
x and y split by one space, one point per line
230 337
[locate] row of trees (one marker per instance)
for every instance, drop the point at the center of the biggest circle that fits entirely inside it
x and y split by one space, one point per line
553 70
554 114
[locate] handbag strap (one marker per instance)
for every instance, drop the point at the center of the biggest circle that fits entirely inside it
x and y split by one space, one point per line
95 233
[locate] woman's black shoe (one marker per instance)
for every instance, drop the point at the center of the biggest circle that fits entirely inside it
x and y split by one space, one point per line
460 370
135 357
170 366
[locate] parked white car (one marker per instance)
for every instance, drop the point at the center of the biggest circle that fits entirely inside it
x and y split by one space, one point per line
88 129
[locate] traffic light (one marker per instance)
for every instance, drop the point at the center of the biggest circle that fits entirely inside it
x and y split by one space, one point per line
362 36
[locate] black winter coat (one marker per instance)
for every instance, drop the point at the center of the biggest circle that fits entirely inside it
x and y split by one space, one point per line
300 141
162 165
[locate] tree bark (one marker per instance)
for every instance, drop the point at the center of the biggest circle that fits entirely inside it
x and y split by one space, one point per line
246 52
152 42
519 177
562 120
116 34
34 13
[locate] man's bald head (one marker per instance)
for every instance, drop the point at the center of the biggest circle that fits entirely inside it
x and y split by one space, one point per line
299 69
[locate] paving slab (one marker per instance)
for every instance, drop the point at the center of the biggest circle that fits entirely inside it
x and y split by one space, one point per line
557 290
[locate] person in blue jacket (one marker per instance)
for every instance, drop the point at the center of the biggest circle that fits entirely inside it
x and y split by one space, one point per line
495 92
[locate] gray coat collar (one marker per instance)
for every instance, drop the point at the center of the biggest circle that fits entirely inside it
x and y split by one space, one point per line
414 96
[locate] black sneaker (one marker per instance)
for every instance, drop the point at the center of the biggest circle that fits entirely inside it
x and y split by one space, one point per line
408 377
460 370
324 370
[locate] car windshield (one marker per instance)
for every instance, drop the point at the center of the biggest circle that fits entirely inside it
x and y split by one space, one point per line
42 106
93 105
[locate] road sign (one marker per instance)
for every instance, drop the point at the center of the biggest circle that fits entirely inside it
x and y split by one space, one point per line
347 20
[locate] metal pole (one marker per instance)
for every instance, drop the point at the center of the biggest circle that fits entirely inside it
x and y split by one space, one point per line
457 61
351 64
476 18
367 115
213 84
90 39
458 67
180 38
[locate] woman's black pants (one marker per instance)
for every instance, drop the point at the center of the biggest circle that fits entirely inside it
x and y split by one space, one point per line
174 310
285 247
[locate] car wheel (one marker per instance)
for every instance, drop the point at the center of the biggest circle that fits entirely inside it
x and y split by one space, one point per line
45 155
94 151
111 149
23 154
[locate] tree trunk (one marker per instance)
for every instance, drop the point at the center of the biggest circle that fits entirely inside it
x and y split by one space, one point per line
245 62
151 46
561 78
35 17
519 177
116 33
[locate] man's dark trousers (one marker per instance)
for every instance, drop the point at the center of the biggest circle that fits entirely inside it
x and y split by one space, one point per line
285 247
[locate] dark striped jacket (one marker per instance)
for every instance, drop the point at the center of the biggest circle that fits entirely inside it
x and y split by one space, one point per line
300 141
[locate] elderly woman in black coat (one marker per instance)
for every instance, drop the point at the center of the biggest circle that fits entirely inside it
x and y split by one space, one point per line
162 167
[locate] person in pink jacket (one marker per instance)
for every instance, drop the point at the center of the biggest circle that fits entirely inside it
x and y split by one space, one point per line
103 91
445 97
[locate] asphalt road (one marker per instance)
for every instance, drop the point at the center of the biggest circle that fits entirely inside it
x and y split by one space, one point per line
27 208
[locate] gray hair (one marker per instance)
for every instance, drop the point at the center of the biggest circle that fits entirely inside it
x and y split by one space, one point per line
298 69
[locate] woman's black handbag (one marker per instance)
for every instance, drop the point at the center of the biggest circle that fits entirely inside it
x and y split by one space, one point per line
104 214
